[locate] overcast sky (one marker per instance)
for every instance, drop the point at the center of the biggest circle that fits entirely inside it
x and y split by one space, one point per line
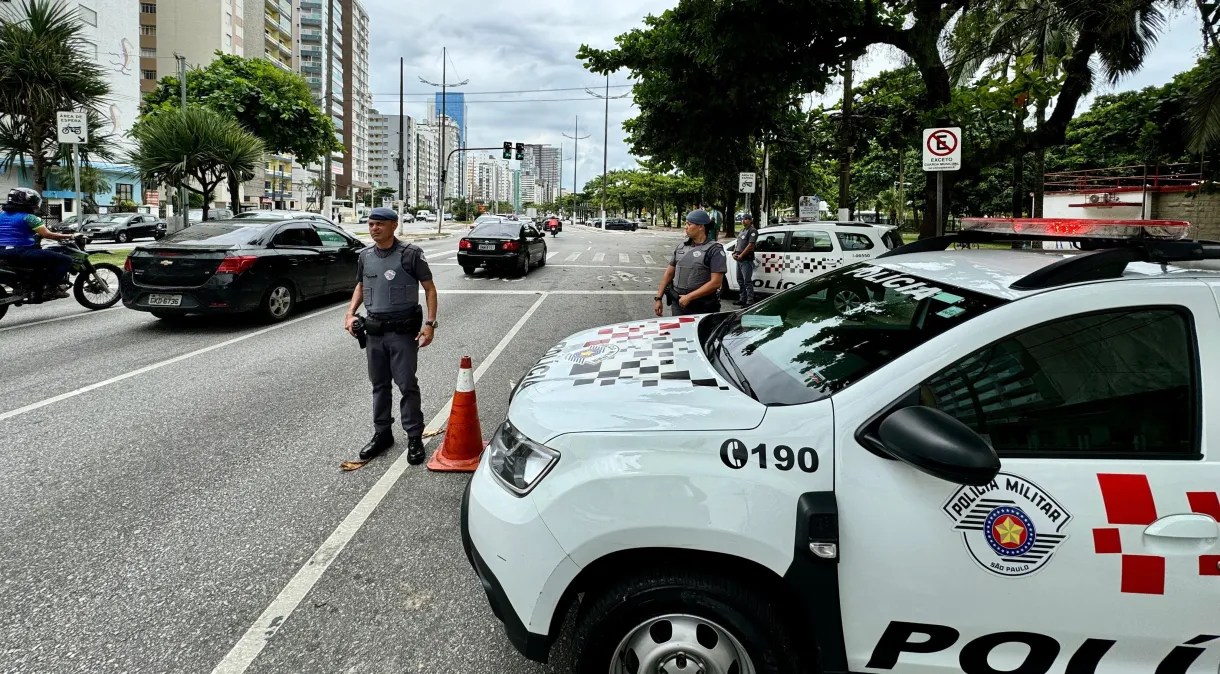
531 45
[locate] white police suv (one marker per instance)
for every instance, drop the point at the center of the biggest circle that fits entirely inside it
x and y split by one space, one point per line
997 460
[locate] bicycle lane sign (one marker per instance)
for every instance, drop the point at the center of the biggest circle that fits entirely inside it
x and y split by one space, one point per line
942 149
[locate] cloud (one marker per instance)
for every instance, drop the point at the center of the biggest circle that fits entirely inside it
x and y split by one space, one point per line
511 47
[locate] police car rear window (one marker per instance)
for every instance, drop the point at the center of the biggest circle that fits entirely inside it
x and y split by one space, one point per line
821 336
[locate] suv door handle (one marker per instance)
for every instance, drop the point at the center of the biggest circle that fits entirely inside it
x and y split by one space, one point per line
1191 526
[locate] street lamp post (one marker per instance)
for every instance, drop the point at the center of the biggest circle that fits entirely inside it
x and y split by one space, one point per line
444 123
575 153
605 137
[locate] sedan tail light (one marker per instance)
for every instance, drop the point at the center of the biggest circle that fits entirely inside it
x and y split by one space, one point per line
511 245
464 244
127 263
236 265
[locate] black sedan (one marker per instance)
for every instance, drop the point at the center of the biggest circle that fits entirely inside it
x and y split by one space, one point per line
620 223
124 227
509 245
236 266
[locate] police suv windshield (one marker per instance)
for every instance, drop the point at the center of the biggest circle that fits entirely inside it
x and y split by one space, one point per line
827 333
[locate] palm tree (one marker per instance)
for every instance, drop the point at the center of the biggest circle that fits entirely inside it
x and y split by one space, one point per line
92 181
176 147
44 69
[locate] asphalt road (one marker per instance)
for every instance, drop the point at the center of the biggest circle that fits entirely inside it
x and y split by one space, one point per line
162 485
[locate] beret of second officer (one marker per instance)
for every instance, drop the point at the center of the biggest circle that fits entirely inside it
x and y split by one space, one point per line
383 213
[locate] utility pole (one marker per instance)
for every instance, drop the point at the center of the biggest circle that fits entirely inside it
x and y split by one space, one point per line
402 182
183 198
605 138
444 123
575 161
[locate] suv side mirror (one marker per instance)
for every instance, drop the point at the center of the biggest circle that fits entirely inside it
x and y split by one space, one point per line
939 445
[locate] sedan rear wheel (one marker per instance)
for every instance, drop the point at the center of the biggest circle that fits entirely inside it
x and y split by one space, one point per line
122 237
523 265
278 302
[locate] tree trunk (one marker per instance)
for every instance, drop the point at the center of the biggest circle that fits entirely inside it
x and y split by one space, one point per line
1018 168
1039 164
235 194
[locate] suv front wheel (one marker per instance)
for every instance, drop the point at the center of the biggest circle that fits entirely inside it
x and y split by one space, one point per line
681 622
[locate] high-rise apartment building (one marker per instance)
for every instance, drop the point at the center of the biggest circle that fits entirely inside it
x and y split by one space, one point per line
357 99
194 29
272 37
383 152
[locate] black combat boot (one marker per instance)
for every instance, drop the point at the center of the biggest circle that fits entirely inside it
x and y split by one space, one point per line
415 450
380 442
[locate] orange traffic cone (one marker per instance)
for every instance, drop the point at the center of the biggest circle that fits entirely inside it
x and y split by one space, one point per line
463 437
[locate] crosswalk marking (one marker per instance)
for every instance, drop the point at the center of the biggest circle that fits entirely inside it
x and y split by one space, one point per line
624 258
647 258
598 257
572 257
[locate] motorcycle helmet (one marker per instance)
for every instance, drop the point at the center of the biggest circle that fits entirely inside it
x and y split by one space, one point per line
24 198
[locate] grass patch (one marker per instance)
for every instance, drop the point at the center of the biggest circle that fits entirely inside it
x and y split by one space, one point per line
114 257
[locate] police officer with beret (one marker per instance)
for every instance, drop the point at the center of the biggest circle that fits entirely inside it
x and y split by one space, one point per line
389 275
696 269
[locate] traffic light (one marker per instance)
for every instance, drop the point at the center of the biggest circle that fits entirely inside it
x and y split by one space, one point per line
508 150
520 150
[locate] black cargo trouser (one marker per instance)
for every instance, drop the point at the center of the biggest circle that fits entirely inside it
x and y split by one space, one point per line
703 305
393 358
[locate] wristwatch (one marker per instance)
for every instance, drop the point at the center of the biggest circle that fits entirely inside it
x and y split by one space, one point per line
431 324
656 299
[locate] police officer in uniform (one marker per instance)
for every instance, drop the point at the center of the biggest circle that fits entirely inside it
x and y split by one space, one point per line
389 275
696 270
743 253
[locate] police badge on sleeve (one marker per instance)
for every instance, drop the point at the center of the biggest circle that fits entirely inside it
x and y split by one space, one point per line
1011 526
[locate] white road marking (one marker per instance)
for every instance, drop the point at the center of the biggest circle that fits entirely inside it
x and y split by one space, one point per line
572 258
156 366
551 255
61 318
277 613
599 257
648 259
624 258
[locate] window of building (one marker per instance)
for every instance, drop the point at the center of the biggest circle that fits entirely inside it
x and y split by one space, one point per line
148 30
148 74
124 191
1115 383
87 16
228 19
147 53
148 8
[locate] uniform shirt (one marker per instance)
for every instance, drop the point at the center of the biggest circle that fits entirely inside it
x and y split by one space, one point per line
17 229
391 279
695 264
748 236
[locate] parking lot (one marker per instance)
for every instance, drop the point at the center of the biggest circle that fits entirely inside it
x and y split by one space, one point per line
172 493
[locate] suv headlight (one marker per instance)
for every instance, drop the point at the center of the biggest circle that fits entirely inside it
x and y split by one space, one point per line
518 462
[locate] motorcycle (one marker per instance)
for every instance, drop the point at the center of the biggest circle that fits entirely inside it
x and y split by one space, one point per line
552 226
94 285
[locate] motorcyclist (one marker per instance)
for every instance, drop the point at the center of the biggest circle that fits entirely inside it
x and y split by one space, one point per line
18 227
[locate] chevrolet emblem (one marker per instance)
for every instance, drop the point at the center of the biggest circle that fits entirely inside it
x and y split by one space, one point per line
166 263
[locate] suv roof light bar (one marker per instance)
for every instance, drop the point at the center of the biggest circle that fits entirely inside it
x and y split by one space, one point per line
1114 245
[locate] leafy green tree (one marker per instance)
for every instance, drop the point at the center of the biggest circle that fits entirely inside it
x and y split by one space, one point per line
273 104
44 69
196 144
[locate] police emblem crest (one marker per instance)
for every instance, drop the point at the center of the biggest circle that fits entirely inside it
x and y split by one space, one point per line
390 274
1010 527
591 355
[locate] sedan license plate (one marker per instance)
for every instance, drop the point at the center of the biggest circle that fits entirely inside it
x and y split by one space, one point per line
487 246
165 300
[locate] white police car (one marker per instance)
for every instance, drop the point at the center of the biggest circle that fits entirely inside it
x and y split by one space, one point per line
787 255
997 461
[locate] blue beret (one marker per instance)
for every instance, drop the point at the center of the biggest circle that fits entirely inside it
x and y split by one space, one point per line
382 213
699 217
